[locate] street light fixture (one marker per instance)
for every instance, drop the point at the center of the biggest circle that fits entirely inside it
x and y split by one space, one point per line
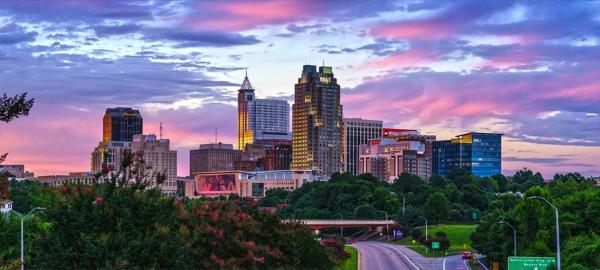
23 217
426 231
514 236
387 225
557 228
341 228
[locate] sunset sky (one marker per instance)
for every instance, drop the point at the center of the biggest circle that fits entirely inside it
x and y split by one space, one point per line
530 70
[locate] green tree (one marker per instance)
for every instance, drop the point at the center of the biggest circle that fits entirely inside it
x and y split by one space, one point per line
365 211
437 207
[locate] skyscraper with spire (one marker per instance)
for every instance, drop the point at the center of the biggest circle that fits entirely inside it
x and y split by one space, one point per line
317 122
260 119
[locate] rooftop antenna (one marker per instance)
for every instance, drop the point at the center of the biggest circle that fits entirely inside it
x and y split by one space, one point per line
246 71
161 130
323 61
216 129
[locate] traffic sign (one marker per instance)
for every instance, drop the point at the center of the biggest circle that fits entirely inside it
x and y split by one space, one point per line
530 263
474 215
495 266
398 233
435 245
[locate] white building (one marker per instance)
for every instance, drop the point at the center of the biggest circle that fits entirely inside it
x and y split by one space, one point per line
261 119
107 156
356 132
159 158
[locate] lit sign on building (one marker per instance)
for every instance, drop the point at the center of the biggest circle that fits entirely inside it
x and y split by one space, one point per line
216 184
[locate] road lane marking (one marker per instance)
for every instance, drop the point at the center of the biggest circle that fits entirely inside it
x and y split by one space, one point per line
406 257
445 263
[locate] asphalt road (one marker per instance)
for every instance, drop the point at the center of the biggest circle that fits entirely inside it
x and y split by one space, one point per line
455 262
378 256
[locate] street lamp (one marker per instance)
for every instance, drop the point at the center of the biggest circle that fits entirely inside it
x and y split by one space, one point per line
387 225
514 236
557 228
403 202
426 231
23 217
341 228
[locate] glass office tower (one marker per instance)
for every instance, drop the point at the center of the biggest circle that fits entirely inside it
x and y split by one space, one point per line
479 153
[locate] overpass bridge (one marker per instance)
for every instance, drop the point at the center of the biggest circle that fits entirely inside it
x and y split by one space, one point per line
319 224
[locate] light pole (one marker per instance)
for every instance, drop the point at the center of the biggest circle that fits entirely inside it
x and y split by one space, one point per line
514 236
341 228
23 217
403 202
557 228
387 225
426 231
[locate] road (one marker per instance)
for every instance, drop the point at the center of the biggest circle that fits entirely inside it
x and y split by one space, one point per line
383 256
455 262
378 256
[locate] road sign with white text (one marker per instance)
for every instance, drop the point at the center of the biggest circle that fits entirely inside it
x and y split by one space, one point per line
435 245
529 263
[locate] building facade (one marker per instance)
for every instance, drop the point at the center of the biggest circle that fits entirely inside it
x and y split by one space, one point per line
246 184
425 149
76 178
317 122
357 132
213 157
387 159
108 156
158 158
479 153
260 119
120 124
15 170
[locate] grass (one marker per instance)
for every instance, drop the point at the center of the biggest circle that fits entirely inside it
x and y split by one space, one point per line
352 262
457 234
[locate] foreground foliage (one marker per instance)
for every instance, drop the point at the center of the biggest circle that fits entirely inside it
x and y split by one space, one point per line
134 227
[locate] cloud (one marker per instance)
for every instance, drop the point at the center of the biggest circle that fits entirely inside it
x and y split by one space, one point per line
110 30
206 38
14 34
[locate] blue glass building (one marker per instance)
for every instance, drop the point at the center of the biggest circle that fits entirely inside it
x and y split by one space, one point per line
479 153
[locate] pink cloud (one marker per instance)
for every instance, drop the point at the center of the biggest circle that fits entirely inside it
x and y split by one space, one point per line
413 30
237 16
399 60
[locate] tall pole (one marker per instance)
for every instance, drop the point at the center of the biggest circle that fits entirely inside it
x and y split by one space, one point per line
426 231
514 236
22 238
387 226
403 203
557 228
22 257
341 228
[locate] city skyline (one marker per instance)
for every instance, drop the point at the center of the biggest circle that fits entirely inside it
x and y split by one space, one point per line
526 70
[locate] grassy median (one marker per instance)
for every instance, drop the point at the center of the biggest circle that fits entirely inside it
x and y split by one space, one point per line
352 262
458 234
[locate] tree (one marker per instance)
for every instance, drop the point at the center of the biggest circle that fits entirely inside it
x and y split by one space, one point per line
437 207
365 211
14 107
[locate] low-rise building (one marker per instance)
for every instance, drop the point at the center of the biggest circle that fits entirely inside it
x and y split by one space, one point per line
247 184
16 170
83 178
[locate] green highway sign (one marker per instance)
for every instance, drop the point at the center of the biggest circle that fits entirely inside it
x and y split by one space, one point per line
529 263
435 245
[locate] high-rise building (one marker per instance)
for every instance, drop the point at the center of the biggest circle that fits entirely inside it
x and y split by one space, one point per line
479 153
108 156
357 132
260 119
213 157
386 159
158 157
317 122
120 124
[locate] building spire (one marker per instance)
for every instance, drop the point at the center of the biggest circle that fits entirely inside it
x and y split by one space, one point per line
246 84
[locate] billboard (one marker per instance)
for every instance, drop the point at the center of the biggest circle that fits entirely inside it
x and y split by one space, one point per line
216 184
530 263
